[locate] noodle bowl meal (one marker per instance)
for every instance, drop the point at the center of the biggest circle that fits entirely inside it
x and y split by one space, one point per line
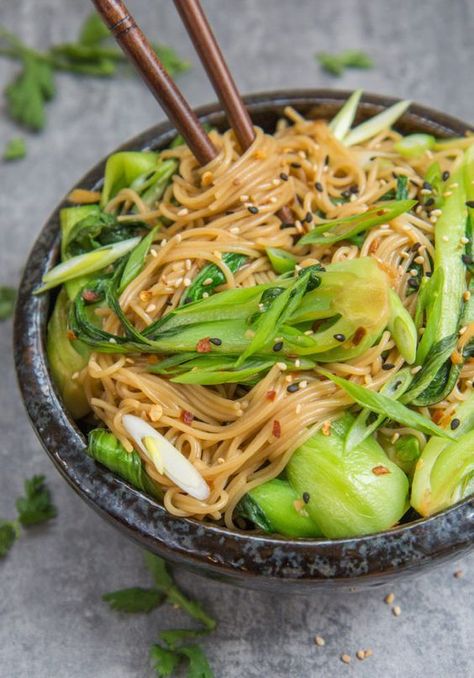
310 378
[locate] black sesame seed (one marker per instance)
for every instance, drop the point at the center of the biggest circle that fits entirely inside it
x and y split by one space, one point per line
454 424
252 209
308 218
306 497
283 176
413 282
397 384
292 388
326 160
296 165
470 203
467 259
415 247
354 189
430 202
278 346
319 187
388 366
346 194
216 341
285 224
371 418
445 176
428 274
427 186
339 337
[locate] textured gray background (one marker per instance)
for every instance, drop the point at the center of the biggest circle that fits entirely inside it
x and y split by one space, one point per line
52 621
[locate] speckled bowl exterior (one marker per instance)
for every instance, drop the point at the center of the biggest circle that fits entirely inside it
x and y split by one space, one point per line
250 560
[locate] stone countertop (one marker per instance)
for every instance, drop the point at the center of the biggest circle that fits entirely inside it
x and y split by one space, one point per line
53 623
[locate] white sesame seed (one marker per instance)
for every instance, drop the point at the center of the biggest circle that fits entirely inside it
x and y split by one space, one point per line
289 378
346 658
208 281
462 331
353 197
235 230
413 271
394 438
187 282
177 282
303 384
150 308
298 408
464 240
454 185
445 238
396 610
273 199
178 237
112 340
153 253
419 260
164 242
205 295
446 194
244 197
384 227
415 370
75 375
308 333
319 640
187 264
389 598
276 182
282 366
297 363
436 213
183 212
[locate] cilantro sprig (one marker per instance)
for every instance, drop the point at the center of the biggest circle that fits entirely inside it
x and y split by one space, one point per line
34 508
92 54
335 64
175 646
15 149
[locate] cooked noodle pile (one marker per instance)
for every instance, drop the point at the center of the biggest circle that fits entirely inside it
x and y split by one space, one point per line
240 437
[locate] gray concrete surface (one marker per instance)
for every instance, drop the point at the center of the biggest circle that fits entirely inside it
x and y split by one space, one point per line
52 621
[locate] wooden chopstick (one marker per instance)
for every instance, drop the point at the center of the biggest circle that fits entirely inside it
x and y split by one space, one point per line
209 52
213 61
134 43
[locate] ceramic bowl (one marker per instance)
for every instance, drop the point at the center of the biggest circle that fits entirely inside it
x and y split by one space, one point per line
256 561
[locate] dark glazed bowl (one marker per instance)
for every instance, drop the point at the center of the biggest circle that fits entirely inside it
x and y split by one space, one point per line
248 560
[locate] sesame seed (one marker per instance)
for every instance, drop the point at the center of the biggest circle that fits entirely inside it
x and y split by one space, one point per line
302 154
458 574
205 295
464 240
235 230
360 654
187 264
244 197
319 187
183 212
252 209
292 388
112 341
445 238
282 366
445 176
178 237
164 242
298 408
75 375
319 641
289 378
462 331
153 253
419 260
446 194
394 438
177 282
388 366
427 186
278 346
346 658
466 296
415 370
456 185
297 363
216 341
150 308
414 272
187 282
454 424
396 610
276 182
306 497
273 199
309 217
389 598
436 213
339 337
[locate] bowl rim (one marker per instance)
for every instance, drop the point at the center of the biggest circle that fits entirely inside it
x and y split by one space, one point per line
217 549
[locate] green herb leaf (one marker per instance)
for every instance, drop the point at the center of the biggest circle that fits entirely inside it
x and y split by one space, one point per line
8 536
36 507
376 402
164 582
93 31
28 93
7 301
165 662
15 149
336 63
174 637
198 666
134 600
171 60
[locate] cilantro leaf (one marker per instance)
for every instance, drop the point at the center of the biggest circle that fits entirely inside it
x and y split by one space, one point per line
171 60
15 149
336 63
165 662
36 507
164 582
27 94
134 600
198 666
8 536
93 31
7 301
174 637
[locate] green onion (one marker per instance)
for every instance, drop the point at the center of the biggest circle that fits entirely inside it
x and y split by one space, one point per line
281 260
375 125
402 328
342 121
414 145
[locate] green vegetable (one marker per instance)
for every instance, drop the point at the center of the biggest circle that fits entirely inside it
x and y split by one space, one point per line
29 92
381 404
84 264
402 187
426 498
136 260
405 452
123 168
366 422
414 145
368 129
271 507
402 328
443 309
36 506
15 149
342 121
281 260
105 448
134 600
8 536
93 31
346 227
350 493
164 662
211 276
350 58
7 301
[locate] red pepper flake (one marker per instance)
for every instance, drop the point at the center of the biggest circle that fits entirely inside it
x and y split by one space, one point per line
271 395
374 245
187 417
380 213
152 359
359 334
380 471
204 345
70 335
90 296
276 429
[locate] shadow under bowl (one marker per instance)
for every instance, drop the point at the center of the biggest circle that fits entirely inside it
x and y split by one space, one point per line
251 560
